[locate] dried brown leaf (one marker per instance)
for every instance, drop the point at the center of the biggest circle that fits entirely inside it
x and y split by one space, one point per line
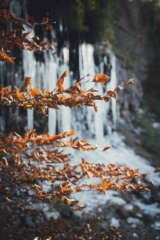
112 94
49 27
43 43
130 81
27 83
106 148
101 78
118 88
35 92
61 80
5 58
79 208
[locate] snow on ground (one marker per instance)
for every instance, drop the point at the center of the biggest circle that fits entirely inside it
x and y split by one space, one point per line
122 155
119 154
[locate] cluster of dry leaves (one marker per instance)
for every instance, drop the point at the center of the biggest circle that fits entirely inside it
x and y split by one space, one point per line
38 159
35 169
15 38
74 96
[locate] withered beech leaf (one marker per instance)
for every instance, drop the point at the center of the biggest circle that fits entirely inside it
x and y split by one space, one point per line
69 133
45 20
61 80
27 83
92 90
157 170
106 98
5 58
20 95
79 208
118 88
49 27
130 81
64 74
63 98
101 78
5 90
35 92
112 94
106 148
70 201
43 43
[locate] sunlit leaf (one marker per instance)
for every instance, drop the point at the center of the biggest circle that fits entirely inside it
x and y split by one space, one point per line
106 148
20 95
35 92
5 58
71 201
5 90
27 83
61 80
101 78
130 81
112 94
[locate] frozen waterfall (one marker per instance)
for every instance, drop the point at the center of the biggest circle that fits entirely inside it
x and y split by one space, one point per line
64 114
99 121
87 66
29 68
45 75
111 85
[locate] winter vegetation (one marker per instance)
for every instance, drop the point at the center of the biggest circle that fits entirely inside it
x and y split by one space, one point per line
40 170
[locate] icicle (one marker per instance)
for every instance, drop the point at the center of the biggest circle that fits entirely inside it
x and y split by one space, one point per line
29 66
51 76
111 85
87 66
65 113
